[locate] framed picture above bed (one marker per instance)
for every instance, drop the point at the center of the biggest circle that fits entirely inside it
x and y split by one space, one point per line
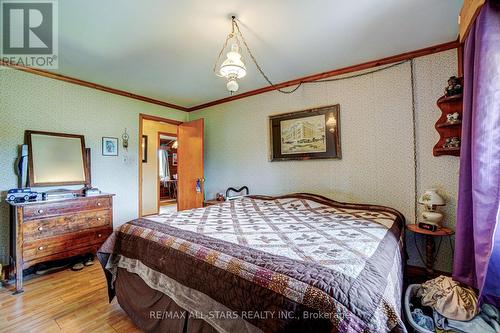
305 135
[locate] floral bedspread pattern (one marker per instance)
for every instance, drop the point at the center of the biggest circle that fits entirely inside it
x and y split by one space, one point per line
338 238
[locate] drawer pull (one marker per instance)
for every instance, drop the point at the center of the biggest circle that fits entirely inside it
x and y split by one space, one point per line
99 219
40 211
99 235
40 228
98 204
41 248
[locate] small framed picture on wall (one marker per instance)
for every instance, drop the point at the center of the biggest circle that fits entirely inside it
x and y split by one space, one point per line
109 146
144 145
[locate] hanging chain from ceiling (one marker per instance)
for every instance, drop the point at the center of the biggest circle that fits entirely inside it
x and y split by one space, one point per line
240 39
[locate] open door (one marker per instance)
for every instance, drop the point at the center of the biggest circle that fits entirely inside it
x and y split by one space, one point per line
190 165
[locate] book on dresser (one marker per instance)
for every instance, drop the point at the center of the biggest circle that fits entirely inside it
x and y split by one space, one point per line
48 230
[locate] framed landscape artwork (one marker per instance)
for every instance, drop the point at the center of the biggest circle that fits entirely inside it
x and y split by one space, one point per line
304 135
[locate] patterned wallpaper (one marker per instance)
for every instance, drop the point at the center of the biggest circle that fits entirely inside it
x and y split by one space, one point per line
33 102
376 135
376 125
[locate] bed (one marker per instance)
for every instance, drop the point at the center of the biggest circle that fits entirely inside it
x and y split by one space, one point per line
294 263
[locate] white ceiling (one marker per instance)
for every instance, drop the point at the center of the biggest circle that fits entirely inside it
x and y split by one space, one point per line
166 49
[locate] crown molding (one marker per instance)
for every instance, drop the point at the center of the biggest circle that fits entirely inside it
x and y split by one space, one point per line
309 78
88 84
335 72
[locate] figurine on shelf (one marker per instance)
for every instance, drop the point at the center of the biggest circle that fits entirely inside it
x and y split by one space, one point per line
453 142
452 118
447 142
454 87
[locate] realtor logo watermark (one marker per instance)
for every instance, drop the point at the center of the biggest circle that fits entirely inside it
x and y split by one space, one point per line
29 33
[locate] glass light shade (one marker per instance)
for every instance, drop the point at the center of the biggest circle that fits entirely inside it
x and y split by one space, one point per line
233 67
431 198
232 85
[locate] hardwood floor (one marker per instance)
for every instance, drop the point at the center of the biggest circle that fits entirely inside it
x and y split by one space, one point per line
65 301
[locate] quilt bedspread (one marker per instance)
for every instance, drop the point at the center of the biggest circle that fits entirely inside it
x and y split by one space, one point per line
327 265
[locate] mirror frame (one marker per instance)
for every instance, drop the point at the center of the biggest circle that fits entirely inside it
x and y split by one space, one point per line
85 159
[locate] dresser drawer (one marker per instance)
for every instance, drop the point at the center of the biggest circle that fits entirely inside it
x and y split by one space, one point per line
49 246
49 209
53 226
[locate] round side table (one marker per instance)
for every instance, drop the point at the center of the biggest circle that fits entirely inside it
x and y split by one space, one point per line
429 243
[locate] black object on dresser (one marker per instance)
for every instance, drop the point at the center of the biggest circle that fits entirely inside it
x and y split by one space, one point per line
55 229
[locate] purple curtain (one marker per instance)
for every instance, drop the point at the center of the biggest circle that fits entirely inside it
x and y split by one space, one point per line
477 254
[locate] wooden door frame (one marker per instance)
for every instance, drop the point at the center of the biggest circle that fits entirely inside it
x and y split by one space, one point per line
158 185
143 117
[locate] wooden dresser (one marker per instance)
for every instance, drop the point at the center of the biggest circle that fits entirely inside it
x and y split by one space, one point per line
55 229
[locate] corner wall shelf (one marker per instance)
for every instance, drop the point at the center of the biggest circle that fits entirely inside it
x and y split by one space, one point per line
447 130
443 151
459 123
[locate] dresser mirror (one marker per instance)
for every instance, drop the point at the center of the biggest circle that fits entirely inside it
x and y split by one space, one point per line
56 159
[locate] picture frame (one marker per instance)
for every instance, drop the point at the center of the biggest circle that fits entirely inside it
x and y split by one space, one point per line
174 159
109 146
144 145
305 135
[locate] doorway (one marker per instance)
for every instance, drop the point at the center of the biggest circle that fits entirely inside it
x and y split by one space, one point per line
167 172
170 165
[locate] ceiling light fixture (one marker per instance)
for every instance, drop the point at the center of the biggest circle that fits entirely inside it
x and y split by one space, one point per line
233 68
